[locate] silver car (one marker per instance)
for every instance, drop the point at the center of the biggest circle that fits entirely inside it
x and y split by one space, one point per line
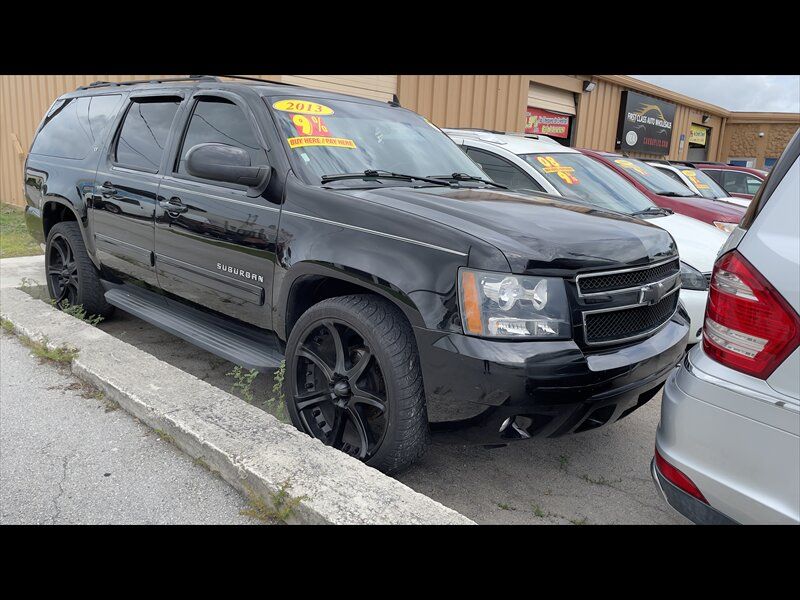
728 444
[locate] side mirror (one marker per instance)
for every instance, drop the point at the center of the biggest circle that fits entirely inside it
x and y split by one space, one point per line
221 162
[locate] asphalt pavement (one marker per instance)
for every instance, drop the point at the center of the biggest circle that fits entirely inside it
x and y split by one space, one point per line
68 456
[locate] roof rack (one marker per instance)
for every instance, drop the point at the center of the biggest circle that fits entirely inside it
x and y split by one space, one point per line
97 84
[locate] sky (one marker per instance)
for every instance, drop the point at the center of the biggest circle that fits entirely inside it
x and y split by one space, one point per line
761 93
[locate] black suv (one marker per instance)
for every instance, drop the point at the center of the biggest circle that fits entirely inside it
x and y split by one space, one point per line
406 291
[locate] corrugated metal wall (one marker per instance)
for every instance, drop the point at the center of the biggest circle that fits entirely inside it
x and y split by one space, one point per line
25 98
485 101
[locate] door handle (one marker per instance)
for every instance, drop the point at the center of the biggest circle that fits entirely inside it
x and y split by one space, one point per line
107 190
173 206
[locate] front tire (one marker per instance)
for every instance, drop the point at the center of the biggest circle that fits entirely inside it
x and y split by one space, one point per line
354 382
72 278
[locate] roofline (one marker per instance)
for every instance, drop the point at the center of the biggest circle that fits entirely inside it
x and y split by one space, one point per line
763 117
655 90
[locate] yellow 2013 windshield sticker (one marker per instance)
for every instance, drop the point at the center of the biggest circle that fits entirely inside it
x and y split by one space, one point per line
692 175
551 165
304 107
320 140
626 164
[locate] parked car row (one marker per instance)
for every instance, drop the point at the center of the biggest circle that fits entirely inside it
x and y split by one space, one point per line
512 290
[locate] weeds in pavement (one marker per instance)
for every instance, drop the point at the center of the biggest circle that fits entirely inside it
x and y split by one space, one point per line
163 435
78 312
581 521
538 512
275 403
7 325
599 481
503 506
280 508
63 355
563 462
243 381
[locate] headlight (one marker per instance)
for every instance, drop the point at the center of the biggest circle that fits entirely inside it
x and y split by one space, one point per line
726 227
513 306
692 279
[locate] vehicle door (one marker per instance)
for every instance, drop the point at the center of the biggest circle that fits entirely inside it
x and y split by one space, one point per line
126 185
215 241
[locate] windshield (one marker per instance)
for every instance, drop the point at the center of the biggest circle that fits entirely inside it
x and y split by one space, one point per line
653 179
577 176
704 184
330 137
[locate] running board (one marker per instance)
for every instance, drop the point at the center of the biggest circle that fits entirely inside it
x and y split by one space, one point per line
241 344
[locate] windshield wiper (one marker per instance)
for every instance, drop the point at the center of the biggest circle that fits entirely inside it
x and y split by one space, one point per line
466 177
380 174
652 210
674 195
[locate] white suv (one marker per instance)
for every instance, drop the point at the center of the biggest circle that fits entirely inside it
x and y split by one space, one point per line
728 445
697 181
540 164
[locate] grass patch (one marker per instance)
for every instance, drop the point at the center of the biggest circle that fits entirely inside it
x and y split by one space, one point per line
503 506
79 312
62 355
14 237
563 462
280 508
538 511
581 521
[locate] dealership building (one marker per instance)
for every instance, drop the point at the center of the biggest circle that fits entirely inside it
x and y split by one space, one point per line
603 112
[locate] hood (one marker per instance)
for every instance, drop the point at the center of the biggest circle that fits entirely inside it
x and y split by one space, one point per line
534 232
698 242
717 209
737 201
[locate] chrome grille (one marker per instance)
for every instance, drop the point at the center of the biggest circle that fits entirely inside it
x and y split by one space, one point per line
628 322
626 278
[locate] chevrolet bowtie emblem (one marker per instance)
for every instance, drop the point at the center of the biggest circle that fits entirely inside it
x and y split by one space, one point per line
651 294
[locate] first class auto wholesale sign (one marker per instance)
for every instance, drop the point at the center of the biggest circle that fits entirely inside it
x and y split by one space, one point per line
544 122
645 124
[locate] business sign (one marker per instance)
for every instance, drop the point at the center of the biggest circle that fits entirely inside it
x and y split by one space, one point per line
544 122
645 124
697 135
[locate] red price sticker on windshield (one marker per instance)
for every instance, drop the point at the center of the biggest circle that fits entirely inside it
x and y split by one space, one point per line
551 165
310 125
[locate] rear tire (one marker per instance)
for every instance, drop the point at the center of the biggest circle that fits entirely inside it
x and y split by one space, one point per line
354 382
71 275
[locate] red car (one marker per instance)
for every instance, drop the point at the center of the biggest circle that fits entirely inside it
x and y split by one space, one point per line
668 193
737 181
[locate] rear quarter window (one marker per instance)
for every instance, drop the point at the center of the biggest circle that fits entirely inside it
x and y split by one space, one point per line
75 126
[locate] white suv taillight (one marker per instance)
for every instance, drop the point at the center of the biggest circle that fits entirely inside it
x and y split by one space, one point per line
748 325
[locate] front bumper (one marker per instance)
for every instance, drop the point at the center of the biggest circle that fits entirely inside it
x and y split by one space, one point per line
488 391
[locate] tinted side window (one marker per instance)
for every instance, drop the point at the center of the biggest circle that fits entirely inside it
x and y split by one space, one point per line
734 181
220 121
74 127
503 172
144 133
715 175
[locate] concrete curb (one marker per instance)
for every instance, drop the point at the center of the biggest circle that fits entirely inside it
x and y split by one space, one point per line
251 449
